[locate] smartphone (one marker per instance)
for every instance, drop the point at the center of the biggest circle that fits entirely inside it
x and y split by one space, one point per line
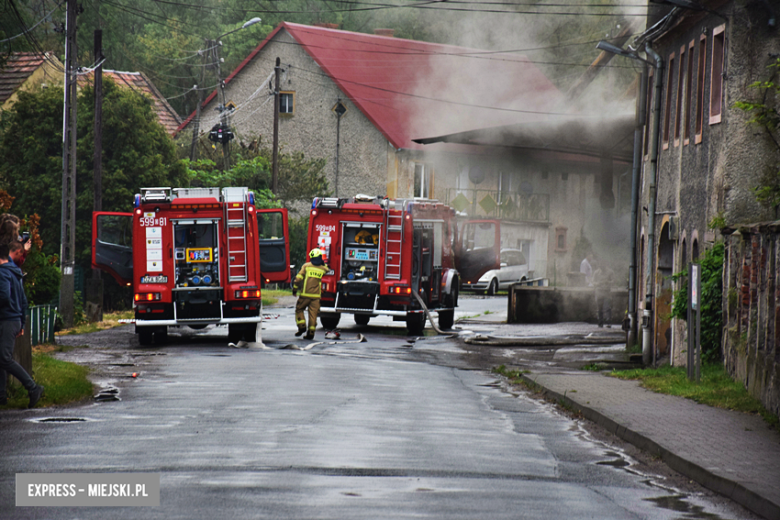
25 236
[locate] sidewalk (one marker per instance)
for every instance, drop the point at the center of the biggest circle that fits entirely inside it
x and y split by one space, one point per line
731 453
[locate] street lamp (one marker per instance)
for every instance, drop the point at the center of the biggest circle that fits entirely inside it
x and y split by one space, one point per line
640 123
614 49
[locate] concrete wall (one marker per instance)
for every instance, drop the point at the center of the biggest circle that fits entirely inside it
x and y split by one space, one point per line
311 129
751 317
557 304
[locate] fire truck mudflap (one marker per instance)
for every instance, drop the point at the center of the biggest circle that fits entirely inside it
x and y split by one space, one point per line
381 251
193 257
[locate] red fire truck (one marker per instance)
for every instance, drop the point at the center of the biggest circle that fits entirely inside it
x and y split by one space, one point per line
382 251
194 256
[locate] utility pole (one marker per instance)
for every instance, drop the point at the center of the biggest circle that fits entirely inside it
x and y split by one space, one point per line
68 229
94 286
275 171
196 123
223 110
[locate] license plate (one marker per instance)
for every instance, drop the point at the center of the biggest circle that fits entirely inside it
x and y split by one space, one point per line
154 279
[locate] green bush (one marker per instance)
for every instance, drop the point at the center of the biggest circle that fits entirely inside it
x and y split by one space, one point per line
42 283
710 298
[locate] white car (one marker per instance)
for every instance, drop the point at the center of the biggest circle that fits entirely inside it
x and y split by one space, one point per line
514 268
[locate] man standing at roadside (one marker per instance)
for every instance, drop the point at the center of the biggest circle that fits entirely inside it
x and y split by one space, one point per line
587 269
13 311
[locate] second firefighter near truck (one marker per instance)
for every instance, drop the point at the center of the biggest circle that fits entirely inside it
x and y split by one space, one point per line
308 282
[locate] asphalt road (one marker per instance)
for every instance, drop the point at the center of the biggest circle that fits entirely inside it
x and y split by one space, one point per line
388 428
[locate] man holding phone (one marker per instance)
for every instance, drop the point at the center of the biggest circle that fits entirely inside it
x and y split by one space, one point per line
13 311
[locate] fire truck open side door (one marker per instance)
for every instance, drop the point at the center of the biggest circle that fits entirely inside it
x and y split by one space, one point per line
479 249
274 243
112 244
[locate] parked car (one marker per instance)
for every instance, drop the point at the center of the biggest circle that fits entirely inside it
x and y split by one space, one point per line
514 268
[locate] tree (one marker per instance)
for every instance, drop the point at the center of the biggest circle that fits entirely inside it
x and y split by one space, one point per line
137 152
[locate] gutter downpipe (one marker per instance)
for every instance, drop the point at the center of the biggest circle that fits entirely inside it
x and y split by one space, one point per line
641 121
648 346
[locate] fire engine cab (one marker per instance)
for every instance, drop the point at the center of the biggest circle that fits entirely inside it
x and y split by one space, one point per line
381 252
194 256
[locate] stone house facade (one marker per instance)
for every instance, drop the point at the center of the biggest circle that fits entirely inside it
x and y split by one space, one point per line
709 158
358 100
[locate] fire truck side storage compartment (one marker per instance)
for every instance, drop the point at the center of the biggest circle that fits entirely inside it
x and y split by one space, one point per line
358 288
196 253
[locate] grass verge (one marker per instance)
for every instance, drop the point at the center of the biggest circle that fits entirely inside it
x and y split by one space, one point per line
110 320
64 382
271 296
716 388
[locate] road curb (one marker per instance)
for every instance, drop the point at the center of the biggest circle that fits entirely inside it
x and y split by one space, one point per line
728 488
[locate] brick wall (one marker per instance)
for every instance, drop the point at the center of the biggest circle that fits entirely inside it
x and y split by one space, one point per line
751 304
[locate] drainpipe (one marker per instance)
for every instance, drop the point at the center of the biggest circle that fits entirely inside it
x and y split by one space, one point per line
641 120
648 350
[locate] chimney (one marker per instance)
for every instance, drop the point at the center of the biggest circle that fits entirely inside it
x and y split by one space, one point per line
326 25
384 32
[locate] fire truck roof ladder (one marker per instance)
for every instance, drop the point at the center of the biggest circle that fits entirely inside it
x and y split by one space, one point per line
235 200
394 224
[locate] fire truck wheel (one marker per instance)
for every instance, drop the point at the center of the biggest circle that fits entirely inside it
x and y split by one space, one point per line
235 333
145 337
330 320
362 319
161 336
250 332
415 323
446 319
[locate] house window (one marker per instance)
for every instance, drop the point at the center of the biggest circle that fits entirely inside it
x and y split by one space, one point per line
560 239
716 73
680 91
649 111
668 104
688 96
700 88
287 103
423 181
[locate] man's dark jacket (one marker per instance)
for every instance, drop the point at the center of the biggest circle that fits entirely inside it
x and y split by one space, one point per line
13 302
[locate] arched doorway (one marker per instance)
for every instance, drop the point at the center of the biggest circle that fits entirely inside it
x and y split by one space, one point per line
664 292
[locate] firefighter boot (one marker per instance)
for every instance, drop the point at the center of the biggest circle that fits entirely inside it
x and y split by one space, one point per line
310 334
300 332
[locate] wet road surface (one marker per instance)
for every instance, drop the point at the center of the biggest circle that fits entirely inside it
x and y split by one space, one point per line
383 429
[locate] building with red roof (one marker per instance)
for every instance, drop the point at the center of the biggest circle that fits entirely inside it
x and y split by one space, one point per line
26 71
138 81
392 90
361 100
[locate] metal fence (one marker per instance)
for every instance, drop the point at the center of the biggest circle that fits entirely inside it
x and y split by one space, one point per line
40 323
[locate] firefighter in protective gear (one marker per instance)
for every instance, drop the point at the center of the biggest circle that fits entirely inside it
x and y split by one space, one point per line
308 282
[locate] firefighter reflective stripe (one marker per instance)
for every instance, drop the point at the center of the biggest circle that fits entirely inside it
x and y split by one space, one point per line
309 279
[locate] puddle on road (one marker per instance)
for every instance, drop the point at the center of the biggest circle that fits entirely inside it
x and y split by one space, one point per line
679 504
59 420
